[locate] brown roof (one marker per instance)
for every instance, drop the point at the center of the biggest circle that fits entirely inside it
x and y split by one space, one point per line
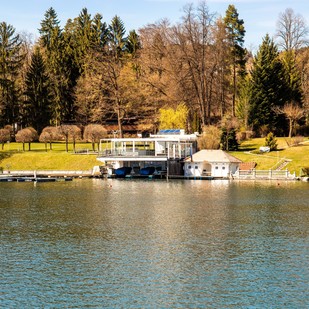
246 166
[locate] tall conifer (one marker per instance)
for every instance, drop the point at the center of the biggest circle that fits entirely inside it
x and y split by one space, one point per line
235 36
268 88
38 95
11 60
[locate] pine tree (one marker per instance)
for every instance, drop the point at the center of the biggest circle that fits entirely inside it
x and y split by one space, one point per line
11 60
229 140
116 37
293 77
51 39
52 44
99 32
133 43
38 95
235 37
268 88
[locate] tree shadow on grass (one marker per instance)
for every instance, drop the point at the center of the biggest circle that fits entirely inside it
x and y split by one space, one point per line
248 147
4 155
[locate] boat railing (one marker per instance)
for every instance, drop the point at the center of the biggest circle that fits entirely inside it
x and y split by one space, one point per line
127 153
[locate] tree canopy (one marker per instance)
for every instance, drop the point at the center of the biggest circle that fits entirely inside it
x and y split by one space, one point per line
91 71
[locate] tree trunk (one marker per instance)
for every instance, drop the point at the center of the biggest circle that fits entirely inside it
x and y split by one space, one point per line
291 128
67 144
119 123
234 89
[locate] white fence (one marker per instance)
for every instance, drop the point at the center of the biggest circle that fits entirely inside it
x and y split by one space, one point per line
264 174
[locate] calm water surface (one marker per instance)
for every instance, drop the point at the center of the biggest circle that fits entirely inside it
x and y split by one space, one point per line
154 244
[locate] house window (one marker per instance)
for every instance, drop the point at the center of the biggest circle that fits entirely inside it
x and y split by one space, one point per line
189 167
223 167
217 167
196 167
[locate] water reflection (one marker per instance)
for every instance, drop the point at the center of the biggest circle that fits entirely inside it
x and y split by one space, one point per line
139 244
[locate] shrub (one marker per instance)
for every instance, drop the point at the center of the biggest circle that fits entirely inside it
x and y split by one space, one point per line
210 138
305 171
294 141
271 141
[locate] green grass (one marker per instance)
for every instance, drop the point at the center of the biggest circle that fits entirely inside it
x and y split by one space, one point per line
299 155
14 158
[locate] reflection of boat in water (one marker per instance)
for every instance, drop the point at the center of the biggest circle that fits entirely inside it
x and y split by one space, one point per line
123 171
146 171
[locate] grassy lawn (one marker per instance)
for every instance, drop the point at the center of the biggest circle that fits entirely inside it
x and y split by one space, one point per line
298 154
14 158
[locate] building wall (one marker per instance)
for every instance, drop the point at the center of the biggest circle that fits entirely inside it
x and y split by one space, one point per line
196 169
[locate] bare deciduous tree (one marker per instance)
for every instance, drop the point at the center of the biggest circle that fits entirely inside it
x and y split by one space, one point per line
68 131
293 113
93 133
4 136
51 134
292 31
26 135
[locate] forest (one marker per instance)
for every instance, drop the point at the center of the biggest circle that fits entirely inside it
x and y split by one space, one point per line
195 74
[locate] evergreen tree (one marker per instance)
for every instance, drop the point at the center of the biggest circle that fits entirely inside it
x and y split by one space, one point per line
83 37
113 63
268 88
133 43
38 96
229 140
11 60
235 36
271 141
242 106
51 39
52 44
116 37
293 77
99 32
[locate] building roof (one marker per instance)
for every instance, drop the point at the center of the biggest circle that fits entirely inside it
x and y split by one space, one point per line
213 156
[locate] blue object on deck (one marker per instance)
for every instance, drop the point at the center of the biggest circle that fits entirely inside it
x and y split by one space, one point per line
146 171
123 171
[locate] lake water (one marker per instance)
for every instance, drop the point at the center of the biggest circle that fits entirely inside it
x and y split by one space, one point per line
154 244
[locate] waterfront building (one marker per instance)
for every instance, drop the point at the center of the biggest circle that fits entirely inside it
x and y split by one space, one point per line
163 152
211 163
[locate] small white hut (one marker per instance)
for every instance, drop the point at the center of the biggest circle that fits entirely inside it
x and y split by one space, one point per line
209 162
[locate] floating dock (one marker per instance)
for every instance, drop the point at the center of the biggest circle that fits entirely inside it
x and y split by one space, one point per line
33 179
